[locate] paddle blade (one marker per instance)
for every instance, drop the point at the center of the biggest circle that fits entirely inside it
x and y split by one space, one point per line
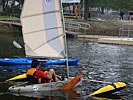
72 83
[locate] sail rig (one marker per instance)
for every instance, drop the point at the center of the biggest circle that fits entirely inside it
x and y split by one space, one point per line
43 31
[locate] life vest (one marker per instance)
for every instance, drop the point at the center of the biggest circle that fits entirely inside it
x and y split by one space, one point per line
31 76
31 71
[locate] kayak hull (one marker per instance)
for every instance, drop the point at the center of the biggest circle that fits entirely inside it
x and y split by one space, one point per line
26 87
28 61
41 94
109 88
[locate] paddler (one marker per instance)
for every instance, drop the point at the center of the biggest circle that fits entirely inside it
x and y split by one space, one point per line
42 77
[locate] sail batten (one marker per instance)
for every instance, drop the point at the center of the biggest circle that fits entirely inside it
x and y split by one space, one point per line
46 43
41 14
43 32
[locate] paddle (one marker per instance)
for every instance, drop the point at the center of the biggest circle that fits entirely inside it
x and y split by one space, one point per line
72 83
98 81
17 45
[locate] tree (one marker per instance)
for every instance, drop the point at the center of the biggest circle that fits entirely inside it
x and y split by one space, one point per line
86 9
20 3
11 7
113 4
4 4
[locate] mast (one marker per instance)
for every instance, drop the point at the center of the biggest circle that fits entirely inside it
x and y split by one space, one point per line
66 55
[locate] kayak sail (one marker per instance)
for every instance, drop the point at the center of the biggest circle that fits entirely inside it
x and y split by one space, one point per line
43 30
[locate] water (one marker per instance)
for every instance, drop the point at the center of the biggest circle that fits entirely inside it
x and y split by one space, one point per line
110 63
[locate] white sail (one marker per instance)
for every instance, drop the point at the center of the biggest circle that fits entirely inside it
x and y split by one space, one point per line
42 27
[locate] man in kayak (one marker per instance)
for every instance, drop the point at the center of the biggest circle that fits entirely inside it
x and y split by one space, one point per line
42 77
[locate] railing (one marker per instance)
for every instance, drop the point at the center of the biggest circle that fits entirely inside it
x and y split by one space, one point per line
76 26
126 31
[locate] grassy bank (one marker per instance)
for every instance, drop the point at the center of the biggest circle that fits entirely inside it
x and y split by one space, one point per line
7 17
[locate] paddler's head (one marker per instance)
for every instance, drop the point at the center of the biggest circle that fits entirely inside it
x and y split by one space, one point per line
35 64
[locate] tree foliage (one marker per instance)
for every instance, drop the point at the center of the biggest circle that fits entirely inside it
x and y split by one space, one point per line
10 7
124 5
113 4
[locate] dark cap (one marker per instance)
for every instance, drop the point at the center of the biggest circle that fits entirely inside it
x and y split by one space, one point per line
35 63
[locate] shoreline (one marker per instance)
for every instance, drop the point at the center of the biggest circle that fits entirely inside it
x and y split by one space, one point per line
108 32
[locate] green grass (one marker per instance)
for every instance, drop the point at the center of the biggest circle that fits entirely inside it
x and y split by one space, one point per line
7 17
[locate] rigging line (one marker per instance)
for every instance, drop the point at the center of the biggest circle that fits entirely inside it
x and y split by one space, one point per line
55 11
48 42
42 30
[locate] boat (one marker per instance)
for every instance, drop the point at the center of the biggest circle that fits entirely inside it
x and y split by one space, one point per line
28 61
44 37
111 88
44 94
26 87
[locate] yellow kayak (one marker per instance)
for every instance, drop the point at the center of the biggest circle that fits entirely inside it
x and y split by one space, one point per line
110 88
19 77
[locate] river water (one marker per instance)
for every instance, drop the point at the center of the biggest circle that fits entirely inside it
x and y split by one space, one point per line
101 62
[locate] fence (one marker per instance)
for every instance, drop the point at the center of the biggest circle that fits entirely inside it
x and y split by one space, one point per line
126 31
76 27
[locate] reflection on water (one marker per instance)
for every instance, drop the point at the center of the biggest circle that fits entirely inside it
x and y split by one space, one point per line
111 63
108 97
49 95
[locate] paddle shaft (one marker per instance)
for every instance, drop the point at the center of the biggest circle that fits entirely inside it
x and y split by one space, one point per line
97 81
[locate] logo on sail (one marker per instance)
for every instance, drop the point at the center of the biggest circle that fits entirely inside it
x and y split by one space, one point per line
48 2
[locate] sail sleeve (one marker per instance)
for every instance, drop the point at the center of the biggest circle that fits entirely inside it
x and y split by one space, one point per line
42 28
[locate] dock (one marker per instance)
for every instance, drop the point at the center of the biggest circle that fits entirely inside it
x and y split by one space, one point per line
118 41
109 39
